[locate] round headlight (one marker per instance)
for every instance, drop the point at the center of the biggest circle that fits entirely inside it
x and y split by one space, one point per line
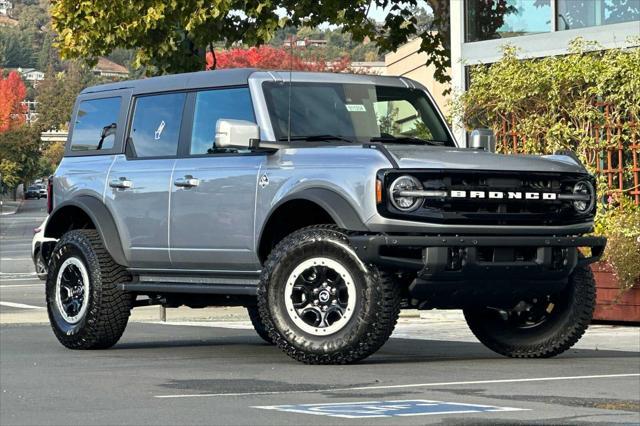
585 189
405 203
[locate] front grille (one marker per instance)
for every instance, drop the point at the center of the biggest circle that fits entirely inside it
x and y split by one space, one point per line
490 211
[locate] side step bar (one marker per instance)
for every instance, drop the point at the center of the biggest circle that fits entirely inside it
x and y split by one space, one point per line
190 288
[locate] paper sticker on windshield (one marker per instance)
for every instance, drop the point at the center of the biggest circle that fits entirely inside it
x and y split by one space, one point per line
355 108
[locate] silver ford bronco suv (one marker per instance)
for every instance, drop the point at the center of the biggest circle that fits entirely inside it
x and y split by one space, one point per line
323 203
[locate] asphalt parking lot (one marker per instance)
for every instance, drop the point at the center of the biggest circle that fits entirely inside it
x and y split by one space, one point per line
208 367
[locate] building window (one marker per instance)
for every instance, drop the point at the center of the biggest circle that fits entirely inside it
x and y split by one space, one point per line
492 19
572 14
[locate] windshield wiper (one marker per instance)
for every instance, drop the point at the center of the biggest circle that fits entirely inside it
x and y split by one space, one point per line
317 138
405 139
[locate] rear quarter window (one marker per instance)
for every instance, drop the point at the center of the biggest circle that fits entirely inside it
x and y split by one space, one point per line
95 124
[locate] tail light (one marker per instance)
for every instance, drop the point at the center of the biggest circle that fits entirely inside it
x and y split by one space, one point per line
50 195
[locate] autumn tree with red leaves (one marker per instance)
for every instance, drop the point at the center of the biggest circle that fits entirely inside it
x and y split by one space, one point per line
12 93
270 58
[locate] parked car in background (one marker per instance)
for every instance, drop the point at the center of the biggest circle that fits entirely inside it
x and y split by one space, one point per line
37 247
42 190
32 192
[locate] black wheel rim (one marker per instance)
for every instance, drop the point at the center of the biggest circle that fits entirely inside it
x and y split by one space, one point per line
71 292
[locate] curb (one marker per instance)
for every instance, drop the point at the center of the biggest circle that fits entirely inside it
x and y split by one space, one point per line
17 207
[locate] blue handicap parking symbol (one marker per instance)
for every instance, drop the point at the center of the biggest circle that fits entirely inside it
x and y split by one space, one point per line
367 409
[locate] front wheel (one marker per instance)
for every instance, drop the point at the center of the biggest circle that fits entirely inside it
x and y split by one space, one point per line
539 327
320 304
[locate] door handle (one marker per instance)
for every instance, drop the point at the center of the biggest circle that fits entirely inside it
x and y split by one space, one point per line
121 183
186 182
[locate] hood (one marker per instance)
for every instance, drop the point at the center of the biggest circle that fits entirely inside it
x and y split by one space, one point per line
431 157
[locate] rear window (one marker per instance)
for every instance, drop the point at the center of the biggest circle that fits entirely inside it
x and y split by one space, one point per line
96 124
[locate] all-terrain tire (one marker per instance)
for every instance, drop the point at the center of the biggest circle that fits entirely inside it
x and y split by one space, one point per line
108 308
376 310
258 326
561 330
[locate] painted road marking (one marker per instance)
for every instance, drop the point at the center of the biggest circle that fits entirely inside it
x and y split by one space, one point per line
20 285
17 273
4 280
402 408
412 385
19 305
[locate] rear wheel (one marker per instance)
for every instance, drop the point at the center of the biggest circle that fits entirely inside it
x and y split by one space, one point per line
40 266
86 308
320 304
538 327
258 326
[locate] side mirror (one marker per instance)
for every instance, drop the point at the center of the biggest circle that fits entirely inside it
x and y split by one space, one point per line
236 134
483 139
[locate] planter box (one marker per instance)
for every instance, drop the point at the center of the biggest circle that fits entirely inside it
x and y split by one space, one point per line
609 305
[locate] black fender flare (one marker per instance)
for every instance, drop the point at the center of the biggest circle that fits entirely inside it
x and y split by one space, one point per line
341 211
101 218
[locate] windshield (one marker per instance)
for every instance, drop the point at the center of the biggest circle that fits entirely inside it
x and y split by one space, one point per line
354 112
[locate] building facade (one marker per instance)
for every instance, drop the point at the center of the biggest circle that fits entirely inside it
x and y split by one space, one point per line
109 69
481 29
408 61
5 7
32 75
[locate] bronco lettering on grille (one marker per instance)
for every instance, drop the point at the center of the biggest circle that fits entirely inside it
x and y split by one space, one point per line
509 195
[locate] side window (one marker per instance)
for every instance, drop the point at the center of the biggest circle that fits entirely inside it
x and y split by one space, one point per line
155 128
96 124
212 105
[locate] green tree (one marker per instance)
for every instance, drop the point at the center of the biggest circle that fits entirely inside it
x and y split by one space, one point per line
173 36
10 174
48 55
16 48
56 95
21 147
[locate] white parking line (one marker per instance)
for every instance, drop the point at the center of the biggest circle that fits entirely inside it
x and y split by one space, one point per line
20 285
14 258
413 385
19 305
4 280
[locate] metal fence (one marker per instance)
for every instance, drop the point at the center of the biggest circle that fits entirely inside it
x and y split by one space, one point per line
617 161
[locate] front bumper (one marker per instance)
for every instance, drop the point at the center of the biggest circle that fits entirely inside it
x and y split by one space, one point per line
379 249
469 266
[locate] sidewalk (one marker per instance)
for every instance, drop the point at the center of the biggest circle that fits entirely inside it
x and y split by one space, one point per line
9 207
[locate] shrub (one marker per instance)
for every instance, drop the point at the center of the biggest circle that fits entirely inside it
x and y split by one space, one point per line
619 220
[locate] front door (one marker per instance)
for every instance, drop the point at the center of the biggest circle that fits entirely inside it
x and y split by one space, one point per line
213 191
139 183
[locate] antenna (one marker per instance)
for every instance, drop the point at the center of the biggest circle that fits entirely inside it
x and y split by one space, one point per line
291 40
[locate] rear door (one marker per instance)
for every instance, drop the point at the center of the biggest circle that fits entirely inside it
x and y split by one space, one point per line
140 181
212 221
